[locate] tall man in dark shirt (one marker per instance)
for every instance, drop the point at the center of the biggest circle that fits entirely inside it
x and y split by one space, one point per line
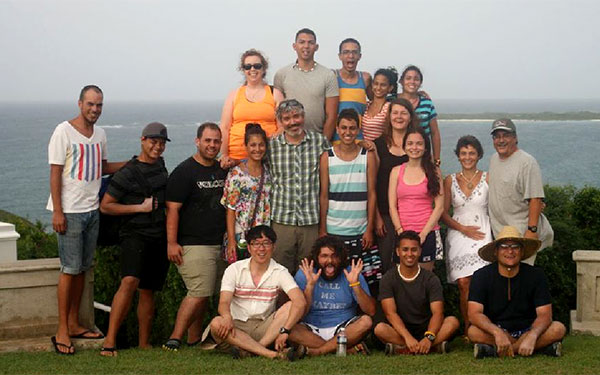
137 193
509 301
195 227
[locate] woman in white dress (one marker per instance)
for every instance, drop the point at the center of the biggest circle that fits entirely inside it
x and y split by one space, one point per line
469 226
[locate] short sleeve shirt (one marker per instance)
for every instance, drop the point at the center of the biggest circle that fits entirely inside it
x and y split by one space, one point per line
129 186
333 301
295 173
199 189
252 301
413 298
309 88
528 290
81 158
513 181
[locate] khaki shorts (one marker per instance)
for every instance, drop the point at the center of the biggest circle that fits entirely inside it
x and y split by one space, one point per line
202 270
255 328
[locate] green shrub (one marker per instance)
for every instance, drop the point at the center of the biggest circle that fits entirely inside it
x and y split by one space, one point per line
34 242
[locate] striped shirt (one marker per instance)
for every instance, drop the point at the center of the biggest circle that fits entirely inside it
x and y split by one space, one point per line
347 212
252 301
295 177
426 112
372 127
352 95
81 158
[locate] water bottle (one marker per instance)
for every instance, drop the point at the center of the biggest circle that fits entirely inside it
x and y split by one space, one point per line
342 341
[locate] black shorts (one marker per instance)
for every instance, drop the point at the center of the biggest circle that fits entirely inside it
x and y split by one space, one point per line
417 330
428 248
145 258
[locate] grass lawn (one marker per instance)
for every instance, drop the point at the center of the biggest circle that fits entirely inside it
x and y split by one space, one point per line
581 355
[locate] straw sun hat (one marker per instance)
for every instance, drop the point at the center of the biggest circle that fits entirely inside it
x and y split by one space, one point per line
530 246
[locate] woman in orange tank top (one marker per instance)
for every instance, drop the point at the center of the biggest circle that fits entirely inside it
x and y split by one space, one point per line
253 102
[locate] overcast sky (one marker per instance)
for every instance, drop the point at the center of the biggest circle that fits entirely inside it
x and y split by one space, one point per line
172 50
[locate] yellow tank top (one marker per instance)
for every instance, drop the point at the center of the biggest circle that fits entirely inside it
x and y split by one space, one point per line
244 112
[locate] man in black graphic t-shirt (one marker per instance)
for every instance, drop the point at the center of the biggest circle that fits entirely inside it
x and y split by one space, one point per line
195 228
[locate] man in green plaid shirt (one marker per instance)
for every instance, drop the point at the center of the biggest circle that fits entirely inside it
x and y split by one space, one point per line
294 161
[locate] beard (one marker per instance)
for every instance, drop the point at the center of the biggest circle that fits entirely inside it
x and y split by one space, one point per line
338 271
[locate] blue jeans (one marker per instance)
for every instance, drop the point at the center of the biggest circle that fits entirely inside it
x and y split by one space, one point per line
76 247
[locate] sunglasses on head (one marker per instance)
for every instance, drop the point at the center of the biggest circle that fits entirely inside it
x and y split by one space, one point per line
257 66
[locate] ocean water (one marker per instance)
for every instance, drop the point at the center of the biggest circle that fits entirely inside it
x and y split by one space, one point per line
567 151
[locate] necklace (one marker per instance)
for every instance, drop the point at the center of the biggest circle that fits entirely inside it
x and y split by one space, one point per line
297 66
469 183
409 279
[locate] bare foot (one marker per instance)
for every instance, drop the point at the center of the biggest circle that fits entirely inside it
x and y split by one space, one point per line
108 352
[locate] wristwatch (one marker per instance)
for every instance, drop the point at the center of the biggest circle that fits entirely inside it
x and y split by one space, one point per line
429 336
532 228
283 330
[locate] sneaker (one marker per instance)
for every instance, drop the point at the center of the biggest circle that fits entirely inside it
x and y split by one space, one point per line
552 350
442 348
394 349
484 350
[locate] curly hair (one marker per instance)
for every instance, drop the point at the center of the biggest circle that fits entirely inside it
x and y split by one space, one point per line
333 243
254 52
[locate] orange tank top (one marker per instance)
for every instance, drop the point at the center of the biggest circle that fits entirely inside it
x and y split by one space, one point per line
244 112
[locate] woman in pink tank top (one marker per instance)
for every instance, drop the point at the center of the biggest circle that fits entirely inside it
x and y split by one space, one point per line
416 196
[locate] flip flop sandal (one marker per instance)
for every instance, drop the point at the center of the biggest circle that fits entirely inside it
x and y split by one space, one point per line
112 351
57 344
362 348
172 345
83 334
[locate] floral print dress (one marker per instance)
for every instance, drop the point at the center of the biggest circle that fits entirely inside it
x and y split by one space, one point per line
240 194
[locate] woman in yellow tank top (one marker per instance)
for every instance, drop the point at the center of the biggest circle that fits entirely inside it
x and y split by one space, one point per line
253 102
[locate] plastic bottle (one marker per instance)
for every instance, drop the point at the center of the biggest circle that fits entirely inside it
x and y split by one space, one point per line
342 341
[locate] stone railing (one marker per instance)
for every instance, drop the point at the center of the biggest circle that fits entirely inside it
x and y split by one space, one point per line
586 319
28 304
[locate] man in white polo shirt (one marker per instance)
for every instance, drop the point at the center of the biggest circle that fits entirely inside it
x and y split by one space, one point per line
248 321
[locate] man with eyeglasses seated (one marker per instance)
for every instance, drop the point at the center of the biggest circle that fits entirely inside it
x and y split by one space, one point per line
509 302
248 321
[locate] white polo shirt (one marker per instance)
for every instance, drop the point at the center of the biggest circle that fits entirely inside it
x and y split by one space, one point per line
255 301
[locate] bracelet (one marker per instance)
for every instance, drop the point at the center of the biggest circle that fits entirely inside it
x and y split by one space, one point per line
354 284
427 333
399 229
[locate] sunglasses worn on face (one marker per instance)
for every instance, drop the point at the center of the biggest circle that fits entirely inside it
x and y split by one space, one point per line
257 66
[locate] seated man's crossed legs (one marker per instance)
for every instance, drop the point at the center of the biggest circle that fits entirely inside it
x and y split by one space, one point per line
326 342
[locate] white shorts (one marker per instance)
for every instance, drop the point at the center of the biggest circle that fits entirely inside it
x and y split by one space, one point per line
327 333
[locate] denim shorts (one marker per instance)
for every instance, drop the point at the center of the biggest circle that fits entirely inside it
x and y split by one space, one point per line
76 247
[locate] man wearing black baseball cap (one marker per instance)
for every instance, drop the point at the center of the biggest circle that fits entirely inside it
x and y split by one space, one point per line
137 194
516 190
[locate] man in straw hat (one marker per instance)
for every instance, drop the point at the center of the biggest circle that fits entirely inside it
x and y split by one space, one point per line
509 301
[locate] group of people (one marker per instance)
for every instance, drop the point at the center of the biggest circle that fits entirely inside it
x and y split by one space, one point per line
319 238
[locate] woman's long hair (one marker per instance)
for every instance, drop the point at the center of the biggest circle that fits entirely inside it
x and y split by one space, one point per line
433 183
414 120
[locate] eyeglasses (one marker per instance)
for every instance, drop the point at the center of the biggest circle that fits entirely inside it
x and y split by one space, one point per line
354 52
263 244
514 246
257 66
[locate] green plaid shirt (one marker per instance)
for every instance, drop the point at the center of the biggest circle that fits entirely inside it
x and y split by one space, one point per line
295 175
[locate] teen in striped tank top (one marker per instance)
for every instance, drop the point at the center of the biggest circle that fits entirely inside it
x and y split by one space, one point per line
347 199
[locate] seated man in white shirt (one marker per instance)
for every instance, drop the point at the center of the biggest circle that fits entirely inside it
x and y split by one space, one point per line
248 321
